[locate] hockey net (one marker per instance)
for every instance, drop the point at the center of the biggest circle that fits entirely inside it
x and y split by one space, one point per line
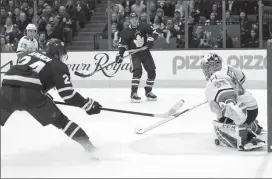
269 95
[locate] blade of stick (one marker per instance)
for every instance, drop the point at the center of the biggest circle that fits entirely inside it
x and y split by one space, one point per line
170 118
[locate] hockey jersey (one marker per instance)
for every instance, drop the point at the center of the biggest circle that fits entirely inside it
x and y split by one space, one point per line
27 45
133 38
221 87
42 72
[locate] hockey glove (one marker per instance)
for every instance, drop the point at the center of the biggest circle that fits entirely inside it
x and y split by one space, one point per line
150 42
119 58
92 107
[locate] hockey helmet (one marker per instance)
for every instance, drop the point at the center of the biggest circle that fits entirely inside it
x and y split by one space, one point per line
31 30
210 63
56 48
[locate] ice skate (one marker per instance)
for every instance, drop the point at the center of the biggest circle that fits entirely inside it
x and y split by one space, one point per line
149 95
135 98
252 144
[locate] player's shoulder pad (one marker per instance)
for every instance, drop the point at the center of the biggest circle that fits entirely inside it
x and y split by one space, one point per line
59 67
25 38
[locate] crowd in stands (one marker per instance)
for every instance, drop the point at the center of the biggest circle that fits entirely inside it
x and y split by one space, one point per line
55 19
167 18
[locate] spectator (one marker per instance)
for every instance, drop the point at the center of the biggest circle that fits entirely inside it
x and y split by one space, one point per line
212 20
3 16
244 28
253 41
127 11
143 18
195 15
216 11
138 8
114 20
168 8
160 14
24 7
11 7
71 10
55 7
152 11
121 10
128 3
23 22
42 41
30 15
9 27
177 18
219 41
87 10
199 40
169 31
127 19
158 27
114 34
126 24
40 7
16 15
80 16
229 19
58 29
49 31
5 46
66 24
47 13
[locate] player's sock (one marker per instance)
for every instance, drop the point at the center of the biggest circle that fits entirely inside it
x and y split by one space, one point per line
79 135
72 130
134 89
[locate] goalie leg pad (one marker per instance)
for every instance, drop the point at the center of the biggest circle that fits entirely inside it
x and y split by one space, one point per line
225 134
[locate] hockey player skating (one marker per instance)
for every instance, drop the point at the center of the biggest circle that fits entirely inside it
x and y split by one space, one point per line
29 42
135 37
25 85
236 109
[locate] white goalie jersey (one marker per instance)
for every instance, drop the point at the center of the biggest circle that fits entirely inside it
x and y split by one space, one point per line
220 87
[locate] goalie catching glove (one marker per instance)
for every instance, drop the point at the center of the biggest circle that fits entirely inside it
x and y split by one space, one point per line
91 107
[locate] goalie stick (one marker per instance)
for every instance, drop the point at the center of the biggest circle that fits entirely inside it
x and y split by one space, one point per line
170 112
170 118
131 52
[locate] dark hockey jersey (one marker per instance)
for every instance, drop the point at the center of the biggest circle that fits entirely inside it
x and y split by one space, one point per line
39 71
133 38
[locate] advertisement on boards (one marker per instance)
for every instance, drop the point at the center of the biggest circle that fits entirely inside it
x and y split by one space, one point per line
174 68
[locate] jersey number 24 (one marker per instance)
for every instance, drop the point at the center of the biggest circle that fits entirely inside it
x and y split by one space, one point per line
37 66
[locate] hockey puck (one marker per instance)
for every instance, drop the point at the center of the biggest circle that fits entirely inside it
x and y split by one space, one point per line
217 142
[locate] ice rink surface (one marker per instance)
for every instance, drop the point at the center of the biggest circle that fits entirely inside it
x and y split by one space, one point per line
183 147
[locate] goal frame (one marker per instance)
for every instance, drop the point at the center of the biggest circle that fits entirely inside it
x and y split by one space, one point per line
269 96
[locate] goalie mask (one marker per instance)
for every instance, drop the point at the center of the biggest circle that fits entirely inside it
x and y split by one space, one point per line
210 63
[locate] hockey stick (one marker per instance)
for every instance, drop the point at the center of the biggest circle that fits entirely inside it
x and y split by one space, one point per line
170 118
131 52
170 112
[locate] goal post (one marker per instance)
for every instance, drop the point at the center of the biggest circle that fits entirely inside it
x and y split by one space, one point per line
269 95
